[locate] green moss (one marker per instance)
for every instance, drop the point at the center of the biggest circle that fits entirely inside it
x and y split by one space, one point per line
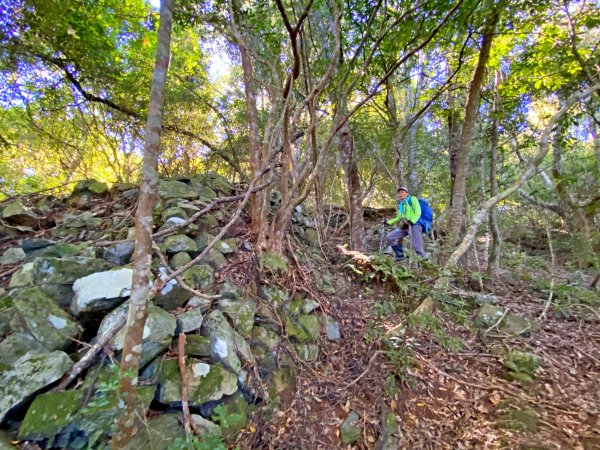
272 261
49 413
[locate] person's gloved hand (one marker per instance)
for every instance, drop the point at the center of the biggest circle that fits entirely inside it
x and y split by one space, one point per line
405 224
384 222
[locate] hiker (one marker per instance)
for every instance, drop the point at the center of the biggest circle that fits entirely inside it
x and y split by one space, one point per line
409 213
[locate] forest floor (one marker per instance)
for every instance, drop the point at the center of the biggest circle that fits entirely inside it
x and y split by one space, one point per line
442 398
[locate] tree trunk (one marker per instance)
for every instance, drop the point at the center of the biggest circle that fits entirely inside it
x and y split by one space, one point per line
494 259
258 203
142 257
459 191
355 209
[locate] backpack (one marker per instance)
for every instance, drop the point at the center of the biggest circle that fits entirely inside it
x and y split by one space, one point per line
426 215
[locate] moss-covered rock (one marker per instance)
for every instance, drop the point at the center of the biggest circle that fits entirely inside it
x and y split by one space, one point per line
158 434
29 374
175 189
522 366
158 331
205 382
43 319
200 276
197 345
241 312
519 420
179 259
351 430
273 262
179 243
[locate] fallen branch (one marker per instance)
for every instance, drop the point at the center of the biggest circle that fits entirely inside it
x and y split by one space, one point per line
185 407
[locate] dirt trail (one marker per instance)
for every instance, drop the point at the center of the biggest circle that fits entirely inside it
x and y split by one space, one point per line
444 399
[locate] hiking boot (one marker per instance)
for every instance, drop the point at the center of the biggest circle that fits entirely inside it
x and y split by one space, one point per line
398 252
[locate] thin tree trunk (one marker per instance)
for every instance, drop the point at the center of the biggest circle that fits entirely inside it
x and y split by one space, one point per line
531 170
459 191
142 257
257 201
494 259
355 209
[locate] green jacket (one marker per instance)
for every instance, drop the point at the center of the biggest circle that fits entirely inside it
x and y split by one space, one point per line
407 210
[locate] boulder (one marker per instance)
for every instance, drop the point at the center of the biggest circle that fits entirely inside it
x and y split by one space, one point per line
158 434
490 315
174 211
55 276
101 291
521 366
16 213
27 375
225 342
62 419
197 345
241 312
38 315
158 331
206 427
175 189
31 245
190 320
205 382
12 255
85 220
119 254
179 243
90 185
179 259
307 352
215 259
351 430
16 345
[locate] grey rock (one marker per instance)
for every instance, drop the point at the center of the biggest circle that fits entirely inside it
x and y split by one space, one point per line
350 430
174 211
119 254
175 189
29 245
18 214
490 315
179 259
215 259
158 331
43 319
203 304
159 433
16 345
189 321
12 255
205 382
333 329
29 374
241 312
226 344
101 291
205 426
179 243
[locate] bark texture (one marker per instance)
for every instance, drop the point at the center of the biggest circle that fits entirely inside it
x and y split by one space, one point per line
459 188
142 257
355 209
